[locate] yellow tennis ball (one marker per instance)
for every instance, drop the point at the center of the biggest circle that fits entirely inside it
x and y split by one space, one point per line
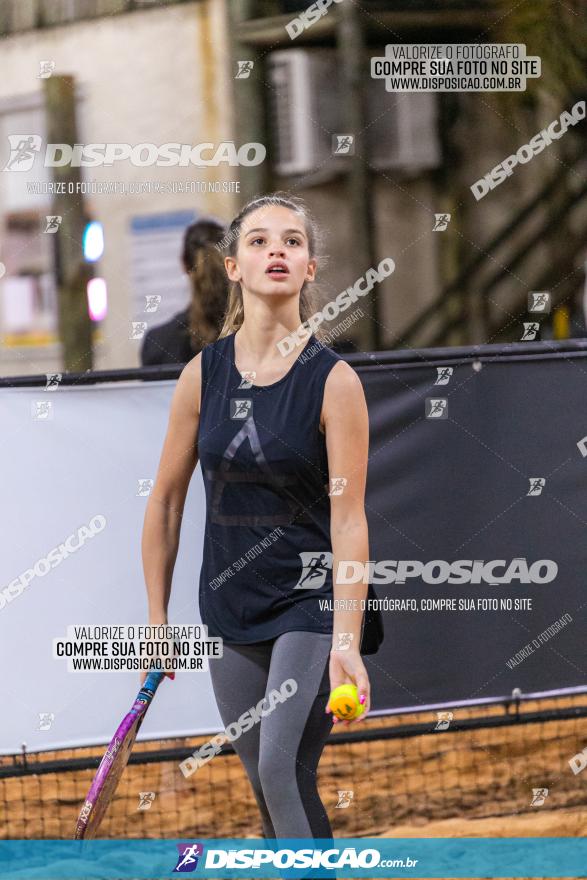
344 702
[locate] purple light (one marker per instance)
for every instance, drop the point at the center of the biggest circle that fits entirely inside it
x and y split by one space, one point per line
97 299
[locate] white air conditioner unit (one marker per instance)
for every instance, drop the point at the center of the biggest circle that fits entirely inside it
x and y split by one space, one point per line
306 108
301 119
402 129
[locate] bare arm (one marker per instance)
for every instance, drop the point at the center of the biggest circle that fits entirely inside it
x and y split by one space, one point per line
346 422
162 524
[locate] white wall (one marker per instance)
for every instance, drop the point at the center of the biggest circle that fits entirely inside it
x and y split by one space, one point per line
156 76
87 460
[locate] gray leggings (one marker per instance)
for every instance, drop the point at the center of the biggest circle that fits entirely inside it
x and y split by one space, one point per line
281 753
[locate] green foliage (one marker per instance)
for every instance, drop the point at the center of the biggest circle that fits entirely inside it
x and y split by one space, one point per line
556 32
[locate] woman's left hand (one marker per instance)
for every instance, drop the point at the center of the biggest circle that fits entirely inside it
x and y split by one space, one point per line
347 667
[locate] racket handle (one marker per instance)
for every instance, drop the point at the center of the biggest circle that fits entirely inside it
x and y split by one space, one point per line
153 680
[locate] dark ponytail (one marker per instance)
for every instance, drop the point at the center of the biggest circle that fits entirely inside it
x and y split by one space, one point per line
204 264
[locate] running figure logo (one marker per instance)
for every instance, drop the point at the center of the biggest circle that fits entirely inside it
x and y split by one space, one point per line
53 223
443 375
539 796
46 68
537 484
345 797
436 408
531 329
343 144
189 854
315 565
152 302
241 409
441 222
23 150
539 301
244 69
444 719
146 798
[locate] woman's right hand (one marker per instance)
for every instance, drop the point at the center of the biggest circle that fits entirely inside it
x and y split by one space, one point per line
156 621
347 667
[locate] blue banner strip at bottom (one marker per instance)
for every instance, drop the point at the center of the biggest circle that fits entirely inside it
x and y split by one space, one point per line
290 858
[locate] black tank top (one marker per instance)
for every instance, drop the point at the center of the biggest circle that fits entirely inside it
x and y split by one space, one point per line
267 556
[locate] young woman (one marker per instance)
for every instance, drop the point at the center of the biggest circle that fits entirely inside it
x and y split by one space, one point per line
270 431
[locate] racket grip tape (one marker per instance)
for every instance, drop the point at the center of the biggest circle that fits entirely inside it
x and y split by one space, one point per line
153 680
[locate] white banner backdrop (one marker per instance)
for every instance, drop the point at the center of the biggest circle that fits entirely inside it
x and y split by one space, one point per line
88 456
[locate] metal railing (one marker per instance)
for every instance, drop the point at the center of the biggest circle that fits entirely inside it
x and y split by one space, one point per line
476 280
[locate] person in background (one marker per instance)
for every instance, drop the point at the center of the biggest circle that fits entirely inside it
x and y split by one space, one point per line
178 340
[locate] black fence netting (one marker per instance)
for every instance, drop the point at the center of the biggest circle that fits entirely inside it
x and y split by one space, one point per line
500 760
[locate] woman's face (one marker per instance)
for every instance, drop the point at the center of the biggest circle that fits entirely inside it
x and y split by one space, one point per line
272 255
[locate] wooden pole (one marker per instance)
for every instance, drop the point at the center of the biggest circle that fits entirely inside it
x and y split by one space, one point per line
355 76
71 270
248 99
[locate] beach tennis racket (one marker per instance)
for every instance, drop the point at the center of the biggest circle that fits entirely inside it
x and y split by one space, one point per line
115 760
